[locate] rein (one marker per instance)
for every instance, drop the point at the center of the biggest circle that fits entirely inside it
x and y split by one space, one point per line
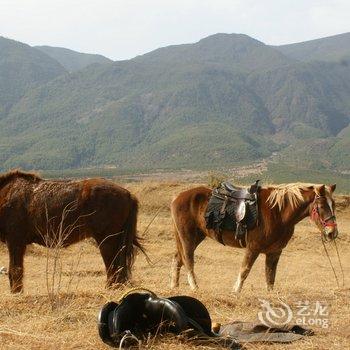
330 261
315 215
340 264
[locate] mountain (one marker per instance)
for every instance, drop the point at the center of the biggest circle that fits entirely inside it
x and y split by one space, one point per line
223 100
21 68
72 60
146 111
235 51
335 48
310 96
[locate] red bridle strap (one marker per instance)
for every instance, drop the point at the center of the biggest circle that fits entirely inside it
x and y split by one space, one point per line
316 215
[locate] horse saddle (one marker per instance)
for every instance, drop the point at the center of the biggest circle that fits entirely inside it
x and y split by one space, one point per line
233 208
139 314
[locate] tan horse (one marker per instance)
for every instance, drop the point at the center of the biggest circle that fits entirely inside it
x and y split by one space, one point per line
52 212
280 209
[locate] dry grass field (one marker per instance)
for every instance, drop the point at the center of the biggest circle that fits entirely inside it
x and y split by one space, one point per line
32 320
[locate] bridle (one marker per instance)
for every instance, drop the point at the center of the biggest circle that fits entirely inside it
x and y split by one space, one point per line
315 216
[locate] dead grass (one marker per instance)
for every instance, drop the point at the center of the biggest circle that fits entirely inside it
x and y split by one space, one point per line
27 321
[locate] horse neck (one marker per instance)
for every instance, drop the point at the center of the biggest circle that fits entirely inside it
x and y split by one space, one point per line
287 215
295 215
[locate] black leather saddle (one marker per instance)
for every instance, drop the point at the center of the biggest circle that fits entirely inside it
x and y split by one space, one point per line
233 208
141 314
127 323
236 192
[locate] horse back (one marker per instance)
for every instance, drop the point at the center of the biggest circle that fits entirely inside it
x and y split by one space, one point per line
37 208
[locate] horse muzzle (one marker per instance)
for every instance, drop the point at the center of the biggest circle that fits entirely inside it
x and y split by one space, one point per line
330 233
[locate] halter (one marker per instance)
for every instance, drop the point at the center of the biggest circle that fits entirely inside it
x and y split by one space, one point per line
315 215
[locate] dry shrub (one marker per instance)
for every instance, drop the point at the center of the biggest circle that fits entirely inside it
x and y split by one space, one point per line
215 179
342 202
55 239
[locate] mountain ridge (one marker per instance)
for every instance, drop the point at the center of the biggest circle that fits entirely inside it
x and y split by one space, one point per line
72 60
227 98
331 48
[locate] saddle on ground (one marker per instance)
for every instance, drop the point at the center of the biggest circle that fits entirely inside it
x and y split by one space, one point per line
127 323
233 208
141 314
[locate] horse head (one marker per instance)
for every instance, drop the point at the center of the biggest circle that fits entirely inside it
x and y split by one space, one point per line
322 212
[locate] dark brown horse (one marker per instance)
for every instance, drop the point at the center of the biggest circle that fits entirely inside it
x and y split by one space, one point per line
280 209
34 210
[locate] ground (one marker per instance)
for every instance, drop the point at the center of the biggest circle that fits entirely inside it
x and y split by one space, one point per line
67 319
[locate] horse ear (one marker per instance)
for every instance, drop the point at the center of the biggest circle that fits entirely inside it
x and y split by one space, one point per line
332 188
322 190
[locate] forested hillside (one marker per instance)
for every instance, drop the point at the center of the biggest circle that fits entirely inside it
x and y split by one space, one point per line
226 99
22 67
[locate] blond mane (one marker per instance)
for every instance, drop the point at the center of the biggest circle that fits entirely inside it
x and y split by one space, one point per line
290 193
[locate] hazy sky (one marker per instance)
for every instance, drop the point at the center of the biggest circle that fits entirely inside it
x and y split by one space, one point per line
122 29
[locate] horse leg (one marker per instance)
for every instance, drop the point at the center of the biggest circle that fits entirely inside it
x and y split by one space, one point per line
270 268
189 264
175 274
16 255
190 245
115 274
177 260
248 261
187 240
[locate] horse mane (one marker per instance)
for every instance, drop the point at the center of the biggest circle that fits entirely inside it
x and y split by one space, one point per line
291 193
13 174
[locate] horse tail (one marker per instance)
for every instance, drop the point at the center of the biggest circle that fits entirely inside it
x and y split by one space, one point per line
132 241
